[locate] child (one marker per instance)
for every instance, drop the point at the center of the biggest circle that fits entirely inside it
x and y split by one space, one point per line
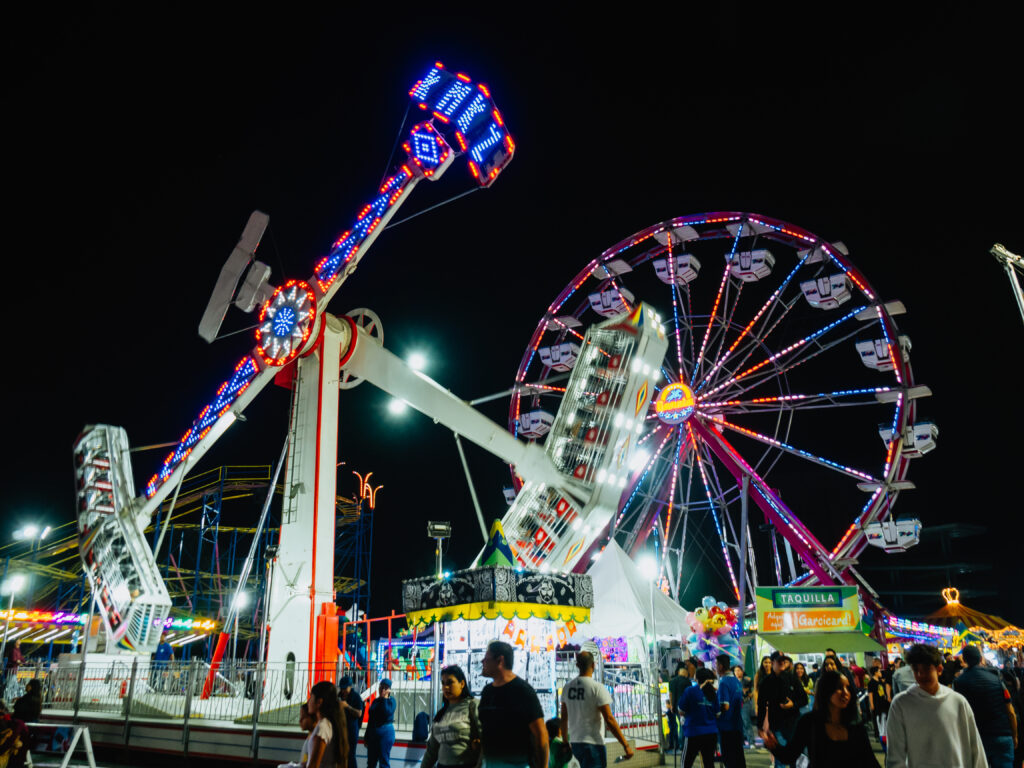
559 753
307 722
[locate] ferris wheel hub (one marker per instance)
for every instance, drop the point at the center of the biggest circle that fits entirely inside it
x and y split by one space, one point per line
675 403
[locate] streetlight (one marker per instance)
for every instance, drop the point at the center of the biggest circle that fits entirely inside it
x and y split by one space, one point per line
417 361
649 570
397 407
35 536
12 586
238 603
438 531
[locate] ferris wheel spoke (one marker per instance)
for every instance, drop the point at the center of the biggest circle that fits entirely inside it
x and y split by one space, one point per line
807 455
798 345
795 402
714 310
675 303
711 502
770 303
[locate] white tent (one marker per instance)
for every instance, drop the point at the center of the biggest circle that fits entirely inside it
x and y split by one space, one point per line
622 601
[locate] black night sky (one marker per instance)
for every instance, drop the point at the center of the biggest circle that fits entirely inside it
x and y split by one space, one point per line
137 144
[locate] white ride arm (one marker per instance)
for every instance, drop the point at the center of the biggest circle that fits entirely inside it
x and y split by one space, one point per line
367 359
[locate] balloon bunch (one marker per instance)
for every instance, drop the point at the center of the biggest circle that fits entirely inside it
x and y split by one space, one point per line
711 634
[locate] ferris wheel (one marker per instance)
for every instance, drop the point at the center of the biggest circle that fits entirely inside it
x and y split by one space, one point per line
785 376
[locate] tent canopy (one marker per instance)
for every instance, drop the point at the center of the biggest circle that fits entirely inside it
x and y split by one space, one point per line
954 612
622 600
817 642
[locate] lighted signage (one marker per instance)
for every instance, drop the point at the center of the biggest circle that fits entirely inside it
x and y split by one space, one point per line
807 609
675 403
43 617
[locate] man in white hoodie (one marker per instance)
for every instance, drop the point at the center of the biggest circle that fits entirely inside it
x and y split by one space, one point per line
930 724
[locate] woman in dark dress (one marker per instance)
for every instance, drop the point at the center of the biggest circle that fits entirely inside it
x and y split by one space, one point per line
829 733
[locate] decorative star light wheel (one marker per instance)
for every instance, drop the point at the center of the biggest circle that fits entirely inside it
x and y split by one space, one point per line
785 376
286 322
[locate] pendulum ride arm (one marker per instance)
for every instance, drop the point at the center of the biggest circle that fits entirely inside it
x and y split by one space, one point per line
1013 264
463 120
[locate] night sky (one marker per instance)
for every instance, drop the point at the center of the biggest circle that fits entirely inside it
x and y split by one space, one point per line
137 146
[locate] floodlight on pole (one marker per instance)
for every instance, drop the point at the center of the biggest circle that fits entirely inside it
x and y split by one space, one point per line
438 530
12 586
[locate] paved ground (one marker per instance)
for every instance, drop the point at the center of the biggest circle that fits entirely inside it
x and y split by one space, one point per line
757 758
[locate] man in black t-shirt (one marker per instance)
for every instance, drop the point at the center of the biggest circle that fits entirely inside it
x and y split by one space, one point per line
511 718
983 688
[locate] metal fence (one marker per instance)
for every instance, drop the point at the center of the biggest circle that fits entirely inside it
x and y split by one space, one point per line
140 689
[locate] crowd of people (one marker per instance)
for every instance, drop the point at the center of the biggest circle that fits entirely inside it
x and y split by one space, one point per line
932 710
929 710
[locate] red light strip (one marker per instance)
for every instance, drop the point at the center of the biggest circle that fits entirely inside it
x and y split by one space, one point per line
714 515
714 310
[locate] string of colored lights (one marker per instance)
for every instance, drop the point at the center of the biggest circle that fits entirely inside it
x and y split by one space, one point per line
672 488
639 483
792 398
793 450
764 307
714 514
714 310
226 394
890 450
786 350
675 307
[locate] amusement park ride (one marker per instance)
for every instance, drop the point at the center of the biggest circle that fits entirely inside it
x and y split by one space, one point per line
641 419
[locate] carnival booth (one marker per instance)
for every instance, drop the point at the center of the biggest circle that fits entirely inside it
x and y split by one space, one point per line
535 612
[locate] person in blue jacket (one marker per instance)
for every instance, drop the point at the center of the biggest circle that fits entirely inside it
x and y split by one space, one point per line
699 704
380 727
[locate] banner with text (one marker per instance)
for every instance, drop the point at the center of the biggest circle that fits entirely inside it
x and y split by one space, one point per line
807 609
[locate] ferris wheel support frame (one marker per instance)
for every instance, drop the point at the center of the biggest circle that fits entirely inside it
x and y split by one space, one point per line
1012 263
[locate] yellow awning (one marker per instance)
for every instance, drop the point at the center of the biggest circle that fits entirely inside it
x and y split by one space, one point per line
492 610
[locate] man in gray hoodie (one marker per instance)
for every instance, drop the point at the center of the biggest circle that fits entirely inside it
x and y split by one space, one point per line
930 724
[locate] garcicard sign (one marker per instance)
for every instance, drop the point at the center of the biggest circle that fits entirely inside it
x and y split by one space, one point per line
807 609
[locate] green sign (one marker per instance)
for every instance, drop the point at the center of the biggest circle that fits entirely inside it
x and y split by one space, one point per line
807 609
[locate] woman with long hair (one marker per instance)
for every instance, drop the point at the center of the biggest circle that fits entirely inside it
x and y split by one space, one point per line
330 737
699 703
806 683
455 733
830 732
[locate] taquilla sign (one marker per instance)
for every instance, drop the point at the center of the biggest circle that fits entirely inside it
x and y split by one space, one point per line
807 609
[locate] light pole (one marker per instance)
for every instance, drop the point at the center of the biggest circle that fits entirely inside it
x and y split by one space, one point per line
241 600
34 535
438 531
649 569
12 586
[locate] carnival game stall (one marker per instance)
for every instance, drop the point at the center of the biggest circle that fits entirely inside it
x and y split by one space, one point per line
534 611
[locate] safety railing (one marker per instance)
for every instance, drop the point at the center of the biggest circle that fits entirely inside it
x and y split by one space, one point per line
241 693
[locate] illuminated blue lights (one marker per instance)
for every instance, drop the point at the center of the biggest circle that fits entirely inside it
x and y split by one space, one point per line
423 87
348 244
424 148
284 321
493 136
227 393
452 98
457 102
475 108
